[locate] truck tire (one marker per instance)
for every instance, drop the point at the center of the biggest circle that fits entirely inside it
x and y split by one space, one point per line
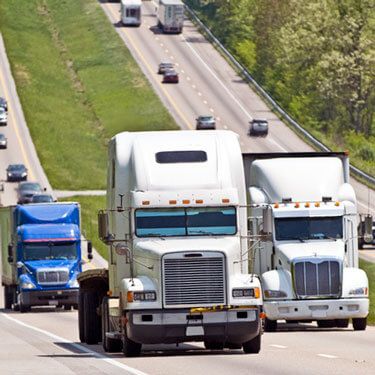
91 322
81 315
359 324
130 348
253 345
270 325
109 345
24 308
342 323
8 297
214 345
326 323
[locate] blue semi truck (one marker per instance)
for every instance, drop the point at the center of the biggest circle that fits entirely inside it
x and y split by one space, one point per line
41 255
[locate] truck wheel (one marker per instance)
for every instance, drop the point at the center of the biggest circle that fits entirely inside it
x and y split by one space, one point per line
24 308
91 322
81 315
342 323
252 346
109 345
8 297
270 325
326 323
130 348
214 345
359 324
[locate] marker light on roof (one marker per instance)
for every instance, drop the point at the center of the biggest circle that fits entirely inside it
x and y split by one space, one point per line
296 205
337 203
307 204
145 203
317 204
172 201
200 201
225 200
276 205
186 201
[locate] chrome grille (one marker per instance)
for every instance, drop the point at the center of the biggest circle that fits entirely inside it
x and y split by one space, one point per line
317 279
53 276
194 279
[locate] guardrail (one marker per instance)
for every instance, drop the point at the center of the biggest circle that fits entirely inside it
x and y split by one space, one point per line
370 180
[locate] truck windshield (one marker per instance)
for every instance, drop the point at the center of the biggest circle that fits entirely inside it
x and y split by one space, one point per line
185 222
50 250
308 228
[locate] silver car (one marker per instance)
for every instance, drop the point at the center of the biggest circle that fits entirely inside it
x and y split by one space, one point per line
3 141
259 127
207 122
3 116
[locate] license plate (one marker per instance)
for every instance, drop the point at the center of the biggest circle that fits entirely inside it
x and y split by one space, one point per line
194 331
53 303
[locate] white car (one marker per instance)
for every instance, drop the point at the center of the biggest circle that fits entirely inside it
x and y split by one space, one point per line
3 116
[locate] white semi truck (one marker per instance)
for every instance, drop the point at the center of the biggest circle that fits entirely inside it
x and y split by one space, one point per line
303 221
176 226
131 12
171 16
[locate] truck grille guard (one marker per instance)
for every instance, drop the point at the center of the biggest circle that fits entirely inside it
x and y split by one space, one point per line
317 278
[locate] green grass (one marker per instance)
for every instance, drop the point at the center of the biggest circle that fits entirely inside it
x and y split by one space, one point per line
90 205
369 268
78 86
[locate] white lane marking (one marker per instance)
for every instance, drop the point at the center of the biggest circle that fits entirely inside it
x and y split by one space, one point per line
166 51
205 101
161 44
156 38
278 346
327 356
193 86
227 90
225 127
218 119
199 94
177 64
212 110
171 57
77 346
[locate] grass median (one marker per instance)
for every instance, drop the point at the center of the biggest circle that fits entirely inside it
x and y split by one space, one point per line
78 86
369 268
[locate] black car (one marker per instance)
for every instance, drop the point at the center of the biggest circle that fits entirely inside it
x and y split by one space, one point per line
3 103
170 76
258 127
26 191
16 172
42 198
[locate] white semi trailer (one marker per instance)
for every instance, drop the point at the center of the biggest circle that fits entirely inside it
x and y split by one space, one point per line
131 12
171 16
303 220
176 226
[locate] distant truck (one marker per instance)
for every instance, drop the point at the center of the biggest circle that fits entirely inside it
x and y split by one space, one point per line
171 16
304 226
131 12
366 230
41 254
176 226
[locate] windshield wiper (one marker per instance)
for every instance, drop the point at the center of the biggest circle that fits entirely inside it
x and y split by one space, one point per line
301 239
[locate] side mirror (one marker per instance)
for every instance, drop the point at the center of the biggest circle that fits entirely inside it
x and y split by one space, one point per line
10 259
103 227
89 250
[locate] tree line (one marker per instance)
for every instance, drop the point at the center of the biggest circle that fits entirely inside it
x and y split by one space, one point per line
316 58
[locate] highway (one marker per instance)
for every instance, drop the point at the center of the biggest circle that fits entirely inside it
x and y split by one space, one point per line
46 341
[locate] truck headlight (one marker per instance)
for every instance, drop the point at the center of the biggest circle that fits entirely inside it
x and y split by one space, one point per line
27 285
246 293
141 296
274 294
73 283
359 292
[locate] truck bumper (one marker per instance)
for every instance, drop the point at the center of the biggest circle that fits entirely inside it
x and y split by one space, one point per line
172 326
49 297
317 309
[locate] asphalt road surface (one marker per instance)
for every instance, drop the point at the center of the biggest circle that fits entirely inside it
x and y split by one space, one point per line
46 340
